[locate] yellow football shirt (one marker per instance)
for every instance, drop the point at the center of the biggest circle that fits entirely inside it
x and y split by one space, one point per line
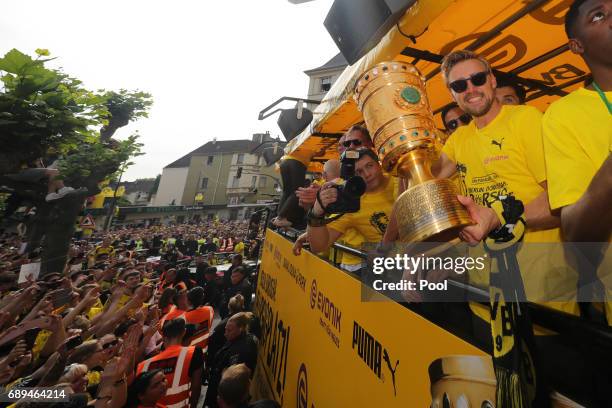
577 133
507 157
373 217
353 239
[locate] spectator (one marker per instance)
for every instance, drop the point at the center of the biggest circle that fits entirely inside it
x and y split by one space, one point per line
217 338
236 262
212 294
240 347
239 284
234 389
182 366
147 390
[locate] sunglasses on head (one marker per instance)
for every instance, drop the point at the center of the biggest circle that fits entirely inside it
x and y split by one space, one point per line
355 142
454 124
461 85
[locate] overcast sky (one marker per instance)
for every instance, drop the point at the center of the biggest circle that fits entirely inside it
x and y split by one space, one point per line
211 66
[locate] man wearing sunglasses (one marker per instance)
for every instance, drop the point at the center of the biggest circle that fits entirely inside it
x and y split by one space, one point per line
453 117
500 154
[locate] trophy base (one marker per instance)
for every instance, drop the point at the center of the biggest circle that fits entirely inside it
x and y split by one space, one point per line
430 212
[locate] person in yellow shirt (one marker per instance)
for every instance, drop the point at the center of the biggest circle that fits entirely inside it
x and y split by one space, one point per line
239 247
577 132
500 153
373 216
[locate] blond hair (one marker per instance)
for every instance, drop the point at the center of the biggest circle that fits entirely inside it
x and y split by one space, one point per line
455 57
236 304
241 320
73 373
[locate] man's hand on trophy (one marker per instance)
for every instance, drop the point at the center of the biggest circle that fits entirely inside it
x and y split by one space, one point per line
326 195
485 221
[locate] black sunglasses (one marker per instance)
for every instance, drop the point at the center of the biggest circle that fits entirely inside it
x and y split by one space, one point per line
454 124
355 142
477 79
110 344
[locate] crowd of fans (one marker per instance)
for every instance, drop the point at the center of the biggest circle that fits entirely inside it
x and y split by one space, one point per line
130 321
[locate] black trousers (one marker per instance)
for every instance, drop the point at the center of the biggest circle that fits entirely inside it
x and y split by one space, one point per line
293 174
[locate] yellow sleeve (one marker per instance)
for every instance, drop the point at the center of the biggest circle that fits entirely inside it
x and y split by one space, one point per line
529 127
564 159
343 223
449 147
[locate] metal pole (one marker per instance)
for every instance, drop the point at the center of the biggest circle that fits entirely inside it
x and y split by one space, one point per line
111 211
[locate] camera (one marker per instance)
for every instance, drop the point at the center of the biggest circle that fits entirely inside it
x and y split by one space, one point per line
352 188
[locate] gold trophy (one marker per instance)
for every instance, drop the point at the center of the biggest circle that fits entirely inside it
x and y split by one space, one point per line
462 381
394 104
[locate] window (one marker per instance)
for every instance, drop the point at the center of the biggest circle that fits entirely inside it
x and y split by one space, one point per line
262 182
204 183
253 181
240 158
326 83
276 186
235 182
234 200
210 160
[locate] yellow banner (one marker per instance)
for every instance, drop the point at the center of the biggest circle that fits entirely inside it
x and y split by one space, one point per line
322 346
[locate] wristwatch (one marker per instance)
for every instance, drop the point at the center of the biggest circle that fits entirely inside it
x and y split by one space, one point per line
315 220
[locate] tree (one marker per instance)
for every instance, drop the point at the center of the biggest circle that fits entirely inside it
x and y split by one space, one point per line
47 114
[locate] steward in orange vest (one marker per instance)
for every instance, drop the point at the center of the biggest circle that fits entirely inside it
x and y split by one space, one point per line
199 319
181 365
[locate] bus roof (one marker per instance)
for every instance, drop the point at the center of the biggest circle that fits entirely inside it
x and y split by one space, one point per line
523 39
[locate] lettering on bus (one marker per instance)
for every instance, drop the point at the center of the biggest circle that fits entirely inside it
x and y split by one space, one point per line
330 314
295 274
373 354
273 344
508 50
268 284
552 13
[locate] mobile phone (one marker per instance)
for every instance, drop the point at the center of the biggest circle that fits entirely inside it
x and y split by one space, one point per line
73 342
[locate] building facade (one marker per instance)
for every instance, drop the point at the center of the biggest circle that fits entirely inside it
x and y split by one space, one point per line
322 78
230 176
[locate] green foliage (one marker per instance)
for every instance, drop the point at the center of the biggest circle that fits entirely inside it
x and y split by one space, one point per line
99 160
45 113
123 107
42 111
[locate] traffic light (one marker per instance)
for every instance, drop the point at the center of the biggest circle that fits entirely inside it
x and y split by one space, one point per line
239 172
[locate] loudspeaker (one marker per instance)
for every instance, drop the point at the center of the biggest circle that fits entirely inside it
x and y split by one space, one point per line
272 155
356 26
289 123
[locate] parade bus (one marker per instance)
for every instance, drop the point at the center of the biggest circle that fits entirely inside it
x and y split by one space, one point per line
327 343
